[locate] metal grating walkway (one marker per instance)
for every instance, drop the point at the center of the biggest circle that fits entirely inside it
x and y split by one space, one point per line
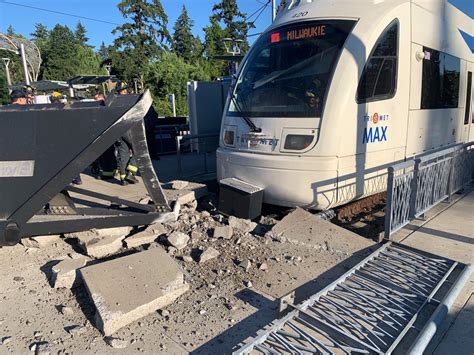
368 310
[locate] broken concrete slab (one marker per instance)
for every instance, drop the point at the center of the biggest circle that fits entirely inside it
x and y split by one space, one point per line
208 254
242 225
99 246
129 288
179 184
194 191
66 272
303 228
147 236
113 232
178 240
225 232
40 241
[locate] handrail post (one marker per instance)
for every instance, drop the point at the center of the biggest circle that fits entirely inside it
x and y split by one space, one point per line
389 204
414 188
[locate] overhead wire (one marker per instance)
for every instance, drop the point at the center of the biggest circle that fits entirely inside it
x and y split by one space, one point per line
58 12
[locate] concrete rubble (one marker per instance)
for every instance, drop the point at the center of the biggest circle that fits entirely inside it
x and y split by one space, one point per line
98 243
66 272
147 236
208 254
128 288
178 240
40 241
242 225
224 232
184 194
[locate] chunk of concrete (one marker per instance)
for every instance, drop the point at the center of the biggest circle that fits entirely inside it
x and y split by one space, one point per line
40 241
99 246
179 184
113 232
146 236
242 225
208 254
66 272
224 232
129 288
303 228
178 240
193 191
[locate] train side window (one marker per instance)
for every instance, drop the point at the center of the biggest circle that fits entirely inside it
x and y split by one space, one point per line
440 85
379 78
468 98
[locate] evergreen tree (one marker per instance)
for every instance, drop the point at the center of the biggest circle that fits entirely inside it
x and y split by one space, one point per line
214 45
40 34
4 97
10 31
144 35
80 34
228 13
60 60
104 52
183 39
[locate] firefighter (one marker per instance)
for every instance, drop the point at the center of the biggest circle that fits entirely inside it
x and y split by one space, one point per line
105 166
125 159
55 97
18 97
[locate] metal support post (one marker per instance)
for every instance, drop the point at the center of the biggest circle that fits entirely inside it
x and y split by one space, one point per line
172 99
6 61
274 10
414 189
388 206
25 66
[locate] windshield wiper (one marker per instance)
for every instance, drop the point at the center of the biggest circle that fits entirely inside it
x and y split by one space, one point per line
244 116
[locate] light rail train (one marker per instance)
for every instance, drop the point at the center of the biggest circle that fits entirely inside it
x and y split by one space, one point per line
337 90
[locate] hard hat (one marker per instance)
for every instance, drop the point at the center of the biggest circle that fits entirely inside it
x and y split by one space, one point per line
121 85
55 97
17 94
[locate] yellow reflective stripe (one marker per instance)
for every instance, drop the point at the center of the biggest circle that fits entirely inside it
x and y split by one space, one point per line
122 176
108 173
132 168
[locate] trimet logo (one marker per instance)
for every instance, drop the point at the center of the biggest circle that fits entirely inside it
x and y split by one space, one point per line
375 134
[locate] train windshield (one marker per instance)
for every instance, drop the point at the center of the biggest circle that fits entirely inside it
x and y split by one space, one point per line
289 69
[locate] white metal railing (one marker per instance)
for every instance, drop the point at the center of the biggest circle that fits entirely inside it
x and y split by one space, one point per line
415 186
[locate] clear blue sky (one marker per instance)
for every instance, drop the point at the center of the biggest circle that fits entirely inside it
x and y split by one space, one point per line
23 19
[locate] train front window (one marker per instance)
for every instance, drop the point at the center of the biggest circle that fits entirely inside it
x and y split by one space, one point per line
288 72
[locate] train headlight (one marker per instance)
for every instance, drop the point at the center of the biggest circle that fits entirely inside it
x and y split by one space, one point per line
298 141
229 136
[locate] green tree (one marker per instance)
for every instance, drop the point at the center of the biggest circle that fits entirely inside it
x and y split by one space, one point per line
104 52
89 62
144 35
4 97
183 40
214 45
60 60
10 30
236 26
40 33
80 34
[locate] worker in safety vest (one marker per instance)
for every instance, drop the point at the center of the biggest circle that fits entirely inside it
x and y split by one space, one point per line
125 159
55 97
18 97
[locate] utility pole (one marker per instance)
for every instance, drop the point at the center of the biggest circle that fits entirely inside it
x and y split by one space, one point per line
274 10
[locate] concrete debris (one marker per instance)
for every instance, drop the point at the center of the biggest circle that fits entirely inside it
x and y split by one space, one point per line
147 236
179 184
248 283
224 232
67 311
145 200
188 259
245 264
113 232
40 348
178 240
96 245
66 272
129 288
40 241
242 225
208 254
196 235
303 228
193 191
37 334
5 340
263 267
76 330
164 313
116 343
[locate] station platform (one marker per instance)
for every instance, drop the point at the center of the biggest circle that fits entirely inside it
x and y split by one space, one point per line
448 231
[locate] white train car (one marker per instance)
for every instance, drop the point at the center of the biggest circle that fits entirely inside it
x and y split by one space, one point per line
336 90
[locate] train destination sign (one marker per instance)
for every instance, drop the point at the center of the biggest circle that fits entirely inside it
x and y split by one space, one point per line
306 32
